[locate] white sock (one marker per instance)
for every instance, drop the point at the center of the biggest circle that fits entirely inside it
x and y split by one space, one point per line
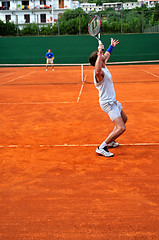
103 145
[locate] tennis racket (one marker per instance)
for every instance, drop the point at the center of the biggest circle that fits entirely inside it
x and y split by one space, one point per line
94 28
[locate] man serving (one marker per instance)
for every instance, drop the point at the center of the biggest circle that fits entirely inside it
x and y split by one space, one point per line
107 99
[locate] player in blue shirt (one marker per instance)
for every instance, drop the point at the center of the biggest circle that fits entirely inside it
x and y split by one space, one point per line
50 57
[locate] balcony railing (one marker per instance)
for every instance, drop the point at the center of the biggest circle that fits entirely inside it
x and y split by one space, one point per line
29 7
43 7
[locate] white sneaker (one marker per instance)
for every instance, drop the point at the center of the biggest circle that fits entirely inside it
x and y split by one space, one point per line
52 69
104 151
113 144
46 70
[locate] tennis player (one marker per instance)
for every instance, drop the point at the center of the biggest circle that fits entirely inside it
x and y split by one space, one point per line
49 59
107 99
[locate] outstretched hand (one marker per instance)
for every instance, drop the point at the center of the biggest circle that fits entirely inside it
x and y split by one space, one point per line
114 42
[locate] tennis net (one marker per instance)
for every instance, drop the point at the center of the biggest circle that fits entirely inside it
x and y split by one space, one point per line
35 74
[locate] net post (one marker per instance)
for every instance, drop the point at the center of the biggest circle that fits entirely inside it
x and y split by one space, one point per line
82 73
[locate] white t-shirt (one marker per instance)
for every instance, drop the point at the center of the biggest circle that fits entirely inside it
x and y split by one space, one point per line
105 87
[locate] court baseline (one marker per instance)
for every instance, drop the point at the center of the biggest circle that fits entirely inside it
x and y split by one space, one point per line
75 145
43 103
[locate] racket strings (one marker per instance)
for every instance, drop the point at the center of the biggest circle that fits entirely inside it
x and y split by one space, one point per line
94 26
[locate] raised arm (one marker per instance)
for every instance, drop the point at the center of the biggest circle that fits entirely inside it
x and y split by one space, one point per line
107 54
99 64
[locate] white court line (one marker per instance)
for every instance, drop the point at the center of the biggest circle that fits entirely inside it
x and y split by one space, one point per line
35 103
16 78
6 75
81 89
80 92
43 103
75 145
150 73
95 145
139 101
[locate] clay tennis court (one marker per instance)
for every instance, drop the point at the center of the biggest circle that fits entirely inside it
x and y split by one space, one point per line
53 185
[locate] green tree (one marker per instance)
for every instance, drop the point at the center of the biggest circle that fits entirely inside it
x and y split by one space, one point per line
156 13
7 29
132 22
84 23
49 30
71 19
29 29
70 14
2 26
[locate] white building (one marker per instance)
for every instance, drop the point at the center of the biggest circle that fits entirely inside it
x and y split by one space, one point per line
75 4
148 3
131 5
88 7
116 6
33 11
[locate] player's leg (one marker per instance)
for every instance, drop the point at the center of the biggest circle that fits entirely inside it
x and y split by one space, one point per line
124 117
119 119
116 111
47 60
117 131
52 64
114 144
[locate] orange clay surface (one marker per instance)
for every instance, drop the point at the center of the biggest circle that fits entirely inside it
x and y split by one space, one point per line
52 183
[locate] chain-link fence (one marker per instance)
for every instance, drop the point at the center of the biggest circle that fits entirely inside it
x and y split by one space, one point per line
112 22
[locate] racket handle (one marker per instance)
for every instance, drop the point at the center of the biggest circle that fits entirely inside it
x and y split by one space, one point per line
99 41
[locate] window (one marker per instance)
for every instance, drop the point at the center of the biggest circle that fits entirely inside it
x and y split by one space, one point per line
25 2
27 18
43 18
5 5
8 17
61 3
42 2
25 5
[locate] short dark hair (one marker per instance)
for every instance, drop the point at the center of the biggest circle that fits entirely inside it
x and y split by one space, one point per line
93 58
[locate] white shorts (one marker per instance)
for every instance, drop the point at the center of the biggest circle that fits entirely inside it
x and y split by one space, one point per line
112 109
49 60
